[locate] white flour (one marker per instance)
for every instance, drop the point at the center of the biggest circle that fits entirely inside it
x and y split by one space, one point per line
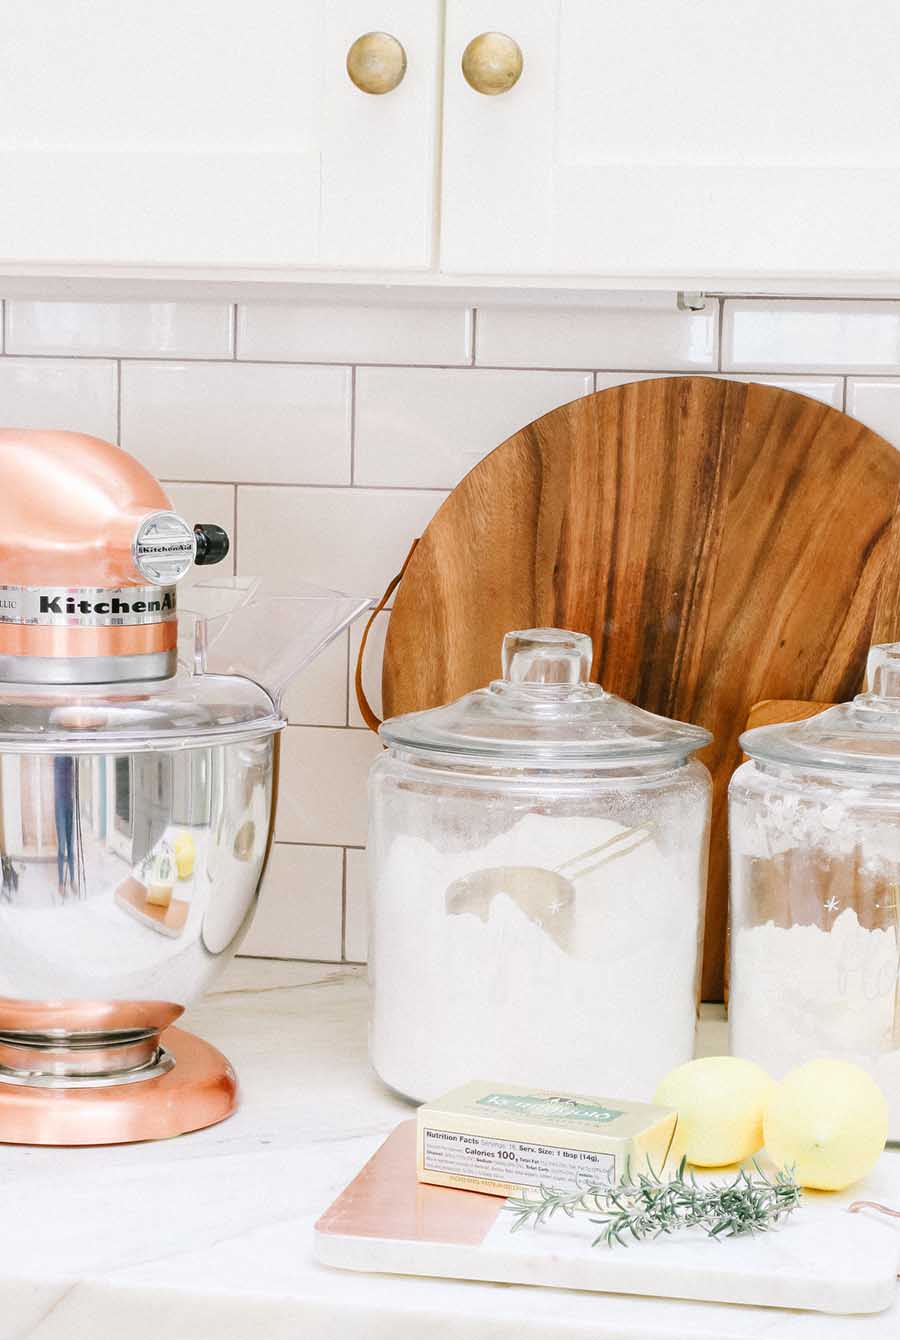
458 997
801 992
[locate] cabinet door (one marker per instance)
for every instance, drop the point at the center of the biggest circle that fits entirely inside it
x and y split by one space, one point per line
214 132
677 138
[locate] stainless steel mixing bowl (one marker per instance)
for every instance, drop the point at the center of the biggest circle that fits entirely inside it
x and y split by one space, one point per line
135 825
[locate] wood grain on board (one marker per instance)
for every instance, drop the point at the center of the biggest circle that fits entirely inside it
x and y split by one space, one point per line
722 542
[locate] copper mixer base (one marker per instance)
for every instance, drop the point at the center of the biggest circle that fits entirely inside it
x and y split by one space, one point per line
200 1090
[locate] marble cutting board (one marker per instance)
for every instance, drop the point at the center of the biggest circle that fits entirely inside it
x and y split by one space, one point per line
821 1260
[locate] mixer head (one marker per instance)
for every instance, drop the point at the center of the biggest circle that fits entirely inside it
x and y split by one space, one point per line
90 555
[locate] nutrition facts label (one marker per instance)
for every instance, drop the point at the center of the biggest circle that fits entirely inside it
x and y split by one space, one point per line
513 1160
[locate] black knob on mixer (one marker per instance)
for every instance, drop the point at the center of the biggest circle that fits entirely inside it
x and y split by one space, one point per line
212 544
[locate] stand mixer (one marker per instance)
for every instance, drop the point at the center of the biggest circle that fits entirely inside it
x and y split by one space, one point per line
138 779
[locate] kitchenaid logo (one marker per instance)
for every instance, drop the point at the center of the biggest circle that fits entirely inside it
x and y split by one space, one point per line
87 607
164 547
172 547
69 605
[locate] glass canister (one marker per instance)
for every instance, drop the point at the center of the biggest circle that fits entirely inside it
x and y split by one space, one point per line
538 856
814 824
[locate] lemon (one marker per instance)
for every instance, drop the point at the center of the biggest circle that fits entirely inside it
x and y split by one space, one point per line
828 1120
720 1101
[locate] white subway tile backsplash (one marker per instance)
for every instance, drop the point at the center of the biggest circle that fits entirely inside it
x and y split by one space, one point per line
135 329
875 401
356 907
299 912
261 422
201 503
604 380
318 696
352 540
830 390
323 785
427 427
262 444
330 333
68 393
640 332
770 335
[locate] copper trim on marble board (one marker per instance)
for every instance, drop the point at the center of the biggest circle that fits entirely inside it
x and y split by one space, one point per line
383 1201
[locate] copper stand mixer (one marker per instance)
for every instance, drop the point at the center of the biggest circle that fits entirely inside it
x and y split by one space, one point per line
138 779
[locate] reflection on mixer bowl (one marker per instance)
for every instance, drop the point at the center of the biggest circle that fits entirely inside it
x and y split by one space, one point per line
128 877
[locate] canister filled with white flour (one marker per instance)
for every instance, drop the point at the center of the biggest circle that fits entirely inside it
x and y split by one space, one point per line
538 870
814 830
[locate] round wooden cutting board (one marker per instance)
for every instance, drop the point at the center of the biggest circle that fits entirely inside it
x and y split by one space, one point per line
721 542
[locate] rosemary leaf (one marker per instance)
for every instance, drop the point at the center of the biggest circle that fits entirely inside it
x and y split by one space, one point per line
650 1205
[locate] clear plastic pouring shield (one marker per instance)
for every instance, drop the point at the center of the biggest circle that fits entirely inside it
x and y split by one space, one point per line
232 627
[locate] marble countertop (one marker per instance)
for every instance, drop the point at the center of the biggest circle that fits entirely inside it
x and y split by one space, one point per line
209 1237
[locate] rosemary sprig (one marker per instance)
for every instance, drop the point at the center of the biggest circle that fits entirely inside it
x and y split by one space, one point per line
648 1205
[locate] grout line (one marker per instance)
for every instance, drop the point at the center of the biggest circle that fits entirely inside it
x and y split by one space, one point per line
353 425
474 359
787 370
347 682
337 488
234 537
844 394
319 725
3 308
234 331
278 958
331 846
203 360
344 905
720 327
309 725
111 357
119 401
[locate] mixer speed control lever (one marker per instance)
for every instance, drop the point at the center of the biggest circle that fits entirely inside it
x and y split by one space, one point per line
212 544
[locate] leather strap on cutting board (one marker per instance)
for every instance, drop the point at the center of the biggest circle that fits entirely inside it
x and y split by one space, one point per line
721 542
368 715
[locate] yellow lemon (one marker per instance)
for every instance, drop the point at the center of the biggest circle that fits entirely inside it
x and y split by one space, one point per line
720 1101
828 1120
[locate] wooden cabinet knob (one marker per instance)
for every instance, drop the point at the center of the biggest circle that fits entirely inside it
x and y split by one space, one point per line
376 62
492 63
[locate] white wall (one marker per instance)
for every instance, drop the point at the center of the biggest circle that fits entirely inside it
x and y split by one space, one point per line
324 437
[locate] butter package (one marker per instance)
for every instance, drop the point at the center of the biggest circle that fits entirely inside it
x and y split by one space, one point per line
504 1139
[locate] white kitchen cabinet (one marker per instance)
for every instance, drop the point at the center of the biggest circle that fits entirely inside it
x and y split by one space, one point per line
677 138
214 133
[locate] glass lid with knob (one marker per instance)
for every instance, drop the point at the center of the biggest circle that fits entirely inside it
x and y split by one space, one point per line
862 736
546 712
